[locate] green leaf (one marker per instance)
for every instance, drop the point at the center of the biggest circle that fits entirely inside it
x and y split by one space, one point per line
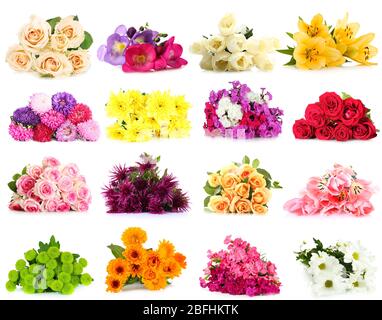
255 163
53 22
276 185
53 242
24 171
75 256
88 41
345 95
116 250
16 176
248 33
75 18
207 201
288 51
265 173
208 189
292 62
246 160
12 186
290 34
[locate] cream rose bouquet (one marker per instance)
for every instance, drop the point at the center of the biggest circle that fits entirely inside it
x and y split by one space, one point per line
53 48
240 188
234 49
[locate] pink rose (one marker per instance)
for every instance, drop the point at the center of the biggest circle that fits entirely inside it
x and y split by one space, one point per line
81 206
83 192
16 204
65 184
31 205
45 189
70 170
359 208
33 196
50 205
70 197
302 206
24 184
50 162
34 171
80 179
338 182
52 174
63 207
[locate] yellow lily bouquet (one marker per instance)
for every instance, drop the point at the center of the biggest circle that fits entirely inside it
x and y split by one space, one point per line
141 117
320 45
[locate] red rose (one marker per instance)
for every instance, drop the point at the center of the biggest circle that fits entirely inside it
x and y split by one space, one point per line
42 133
353 111
364 130
324 133
315 115
332 105
342 132
303 130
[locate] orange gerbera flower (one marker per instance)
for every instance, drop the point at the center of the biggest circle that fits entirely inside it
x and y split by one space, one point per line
118 268
153 259
134 236
166 249
135 269
135 254
153 280
114 284
170 268
181 259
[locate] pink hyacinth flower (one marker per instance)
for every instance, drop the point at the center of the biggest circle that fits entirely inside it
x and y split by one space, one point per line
139 57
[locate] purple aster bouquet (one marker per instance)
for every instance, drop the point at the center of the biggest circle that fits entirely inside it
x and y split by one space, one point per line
59 117
141 188
241 113
141 50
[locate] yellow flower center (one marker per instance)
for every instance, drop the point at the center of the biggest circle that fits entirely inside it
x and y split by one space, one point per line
355 255
366 53
312 31
322 266
328 284
311 53
140 59
349 32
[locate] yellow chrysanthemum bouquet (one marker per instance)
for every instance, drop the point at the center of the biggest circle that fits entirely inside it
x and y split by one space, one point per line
154 268
142 117
319 45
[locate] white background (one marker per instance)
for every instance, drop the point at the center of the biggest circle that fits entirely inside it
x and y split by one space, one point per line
279 233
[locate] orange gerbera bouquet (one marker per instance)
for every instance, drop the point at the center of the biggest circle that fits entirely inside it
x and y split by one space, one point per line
135 264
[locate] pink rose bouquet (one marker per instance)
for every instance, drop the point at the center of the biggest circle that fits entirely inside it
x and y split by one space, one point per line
239 270
51 187
59 117
339 191
141 50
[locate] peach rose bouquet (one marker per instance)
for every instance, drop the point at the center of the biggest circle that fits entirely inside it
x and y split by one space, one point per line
240 188
53 48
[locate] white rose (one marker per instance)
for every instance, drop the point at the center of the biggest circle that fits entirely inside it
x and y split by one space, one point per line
206 62
199 47
263 62
19 59
72 29
59 42
34 36
215 44
53 64
220 61
80 60
240 61
236 43
227 25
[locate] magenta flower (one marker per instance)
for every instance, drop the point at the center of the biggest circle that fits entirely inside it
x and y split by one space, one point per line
172 54
19 132
67 132
140 57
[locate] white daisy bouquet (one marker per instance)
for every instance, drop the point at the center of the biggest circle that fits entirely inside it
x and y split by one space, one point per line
337 269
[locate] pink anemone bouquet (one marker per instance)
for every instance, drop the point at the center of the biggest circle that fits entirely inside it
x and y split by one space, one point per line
50 187
339 191
141 50
240 270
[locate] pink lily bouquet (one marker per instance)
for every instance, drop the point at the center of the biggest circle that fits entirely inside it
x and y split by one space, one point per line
141 50
339 191
51 187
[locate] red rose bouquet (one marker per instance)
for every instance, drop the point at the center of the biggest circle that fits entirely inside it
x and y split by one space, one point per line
336 118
